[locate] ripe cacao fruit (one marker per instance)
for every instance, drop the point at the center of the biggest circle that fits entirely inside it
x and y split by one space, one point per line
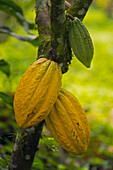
68 123
80 41
37 92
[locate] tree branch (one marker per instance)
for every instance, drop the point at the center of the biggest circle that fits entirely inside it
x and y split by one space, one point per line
58 20
27 140
25 148
59 39
79 8
59 28
44 29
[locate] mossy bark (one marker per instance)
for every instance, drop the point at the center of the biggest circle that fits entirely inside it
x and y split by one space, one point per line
44 29
79 8
59 35
58 24
26 145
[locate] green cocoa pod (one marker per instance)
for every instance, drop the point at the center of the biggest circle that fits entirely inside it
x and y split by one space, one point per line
81 42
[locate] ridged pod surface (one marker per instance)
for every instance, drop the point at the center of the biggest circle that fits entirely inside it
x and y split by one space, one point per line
68 124
80 41
37 92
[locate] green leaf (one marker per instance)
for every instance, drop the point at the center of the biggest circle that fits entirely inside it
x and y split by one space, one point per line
4 67
32 39
38 163
11 8
6 98
3 164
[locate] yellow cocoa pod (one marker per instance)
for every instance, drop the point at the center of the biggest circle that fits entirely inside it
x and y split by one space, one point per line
68 123
37 92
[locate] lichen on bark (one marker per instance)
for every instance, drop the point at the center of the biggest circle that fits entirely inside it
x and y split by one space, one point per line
59 38
25 148
44 29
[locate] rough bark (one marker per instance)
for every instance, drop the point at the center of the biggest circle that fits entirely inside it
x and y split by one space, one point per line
79 8
44 29
58 19
59 38
26 145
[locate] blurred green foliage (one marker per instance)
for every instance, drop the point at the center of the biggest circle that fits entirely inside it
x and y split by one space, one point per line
93 87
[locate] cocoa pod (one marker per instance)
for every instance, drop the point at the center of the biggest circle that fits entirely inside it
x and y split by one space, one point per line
68 123
37 92
80 41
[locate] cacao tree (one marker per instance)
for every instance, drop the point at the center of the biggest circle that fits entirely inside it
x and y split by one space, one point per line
57 37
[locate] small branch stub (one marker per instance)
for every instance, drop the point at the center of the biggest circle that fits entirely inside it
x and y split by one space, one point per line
67 4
